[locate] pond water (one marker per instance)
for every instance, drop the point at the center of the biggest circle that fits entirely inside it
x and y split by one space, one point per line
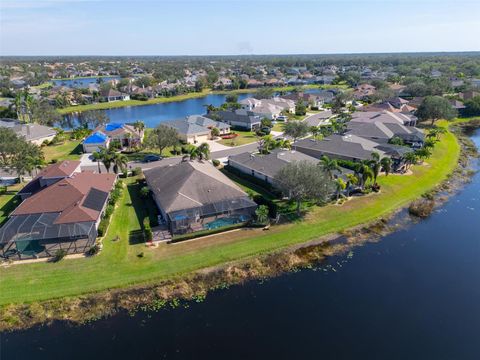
413 295
154 114
82 82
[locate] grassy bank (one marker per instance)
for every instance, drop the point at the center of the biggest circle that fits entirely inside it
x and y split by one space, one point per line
119 265
193 95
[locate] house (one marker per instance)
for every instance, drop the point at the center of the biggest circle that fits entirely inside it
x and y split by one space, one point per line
316 99
268 108
348 147
319 119
110 95
384 117
208 123
238 119
95 141
49 176
352 148
383 132
34 133
363 91
126 134
196 129
194 196
64 215
468 95
266 166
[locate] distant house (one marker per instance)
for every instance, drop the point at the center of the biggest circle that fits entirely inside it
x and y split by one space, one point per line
95 141
363 91
196 129
384 117
394 105
468 95
268 108
63 215
114 95
125 133
316 99
194 196
238 119
33 133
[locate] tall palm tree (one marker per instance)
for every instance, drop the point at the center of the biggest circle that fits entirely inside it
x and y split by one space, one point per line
386 163
375 165
139 126
19 105
120 161
329 165
106 157
97 156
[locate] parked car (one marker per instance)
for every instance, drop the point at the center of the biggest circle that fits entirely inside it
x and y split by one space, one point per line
151 158
282 118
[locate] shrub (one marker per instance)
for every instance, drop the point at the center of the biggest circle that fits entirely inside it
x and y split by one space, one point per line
119 185
421 208
137 171
125 173
216 162
95 249
108 211
144 192
59 255
102 227
272 207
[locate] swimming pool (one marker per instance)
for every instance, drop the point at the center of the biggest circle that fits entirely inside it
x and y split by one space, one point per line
215 224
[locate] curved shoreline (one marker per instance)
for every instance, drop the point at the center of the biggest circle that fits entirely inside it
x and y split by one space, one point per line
194 285
177 98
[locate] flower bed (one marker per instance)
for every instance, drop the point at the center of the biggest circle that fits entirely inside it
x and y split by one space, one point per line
229 136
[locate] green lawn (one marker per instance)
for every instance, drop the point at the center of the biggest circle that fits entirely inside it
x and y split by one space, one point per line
244 137
69 150
118 265
9 201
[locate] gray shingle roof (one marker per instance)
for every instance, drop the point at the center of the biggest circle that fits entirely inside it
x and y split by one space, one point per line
189 185
186 128
29 131
350 146
240 116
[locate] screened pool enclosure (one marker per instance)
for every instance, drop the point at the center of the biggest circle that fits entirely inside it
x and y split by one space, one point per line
37 235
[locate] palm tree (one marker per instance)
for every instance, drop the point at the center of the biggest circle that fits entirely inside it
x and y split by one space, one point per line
201 152
340 186
120 161
375 165
139 126
367 174
97 157
429 143
351 180
329 165
386 163
314 130
106 157
19 105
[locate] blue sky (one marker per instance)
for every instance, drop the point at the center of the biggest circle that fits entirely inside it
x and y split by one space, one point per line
108 27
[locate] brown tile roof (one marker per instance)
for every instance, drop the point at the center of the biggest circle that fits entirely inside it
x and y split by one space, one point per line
67 198
62 169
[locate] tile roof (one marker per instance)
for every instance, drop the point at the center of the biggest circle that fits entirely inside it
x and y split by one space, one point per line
67 198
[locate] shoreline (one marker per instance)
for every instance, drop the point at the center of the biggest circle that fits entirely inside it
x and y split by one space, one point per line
178 98
154 294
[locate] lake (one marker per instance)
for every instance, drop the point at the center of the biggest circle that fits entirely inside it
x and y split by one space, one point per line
413 295
154 114
82 82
